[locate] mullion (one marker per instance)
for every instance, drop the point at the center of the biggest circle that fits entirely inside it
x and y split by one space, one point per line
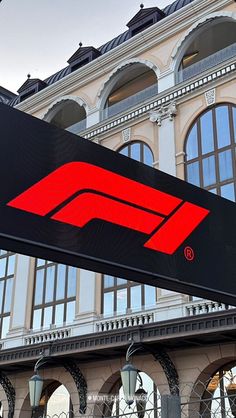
217 149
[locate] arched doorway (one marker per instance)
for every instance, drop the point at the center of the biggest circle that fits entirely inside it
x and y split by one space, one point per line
55 402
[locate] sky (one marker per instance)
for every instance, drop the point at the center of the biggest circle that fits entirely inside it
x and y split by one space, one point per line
39 36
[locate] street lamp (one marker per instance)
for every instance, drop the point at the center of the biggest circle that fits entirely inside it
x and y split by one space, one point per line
35 386
129 376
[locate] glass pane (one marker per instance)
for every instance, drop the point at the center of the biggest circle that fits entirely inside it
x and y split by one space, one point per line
228 192
108 308
135 152
50 276
150 296
37 319
47 320
192 144
59 314
40 262
3 252
234 121
214 191
1 294
225 165
222 125
8 294
11 265
209 172
121 301
61 280
193 173
136 301
147 157
71 291
70 312
3 266
38 296
124 151
121 282
108 281
5 326
207 132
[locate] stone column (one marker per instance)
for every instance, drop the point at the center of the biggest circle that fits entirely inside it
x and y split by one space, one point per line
21 301
86 308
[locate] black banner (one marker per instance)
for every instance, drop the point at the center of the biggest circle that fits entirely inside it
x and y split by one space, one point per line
66 199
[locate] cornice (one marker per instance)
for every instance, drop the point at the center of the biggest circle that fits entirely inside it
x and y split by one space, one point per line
154 35
179 333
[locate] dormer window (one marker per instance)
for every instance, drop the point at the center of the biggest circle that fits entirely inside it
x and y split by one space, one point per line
144 18
83 56
30 87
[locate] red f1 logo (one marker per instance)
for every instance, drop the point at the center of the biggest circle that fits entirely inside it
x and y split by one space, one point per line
89 192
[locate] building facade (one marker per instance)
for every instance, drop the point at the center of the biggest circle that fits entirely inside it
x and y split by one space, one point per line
164 93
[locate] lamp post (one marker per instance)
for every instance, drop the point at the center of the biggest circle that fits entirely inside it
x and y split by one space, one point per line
129 376
35 386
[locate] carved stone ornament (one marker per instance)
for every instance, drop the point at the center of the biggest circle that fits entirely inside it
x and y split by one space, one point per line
164 112
126 134
10 393
210 97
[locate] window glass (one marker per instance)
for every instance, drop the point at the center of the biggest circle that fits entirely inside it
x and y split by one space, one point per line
121 282
225 165
11 265
50 273
209 174
150 296
71 291
193 173
227 191
148 157
207 132
1 293
40 262
37 319
234 122
47 320
5 326
59 314
124 151
222 123
70 312
3 266
38 295
3 252
61 281
214 191
108 308
108 281
136 298
135 152
8 295
192 144
121 301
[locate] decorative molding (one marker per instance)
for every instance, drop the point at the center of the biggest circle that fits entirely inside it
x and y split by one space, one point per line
48 115
162 99
210 97
164 112
10 393
126 135
169 370
80 382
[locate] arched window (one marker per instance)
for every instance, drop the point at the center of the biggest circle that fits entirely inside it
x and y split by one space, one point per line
55 402
219 399
121 296
210 151
131 85
200 55
54 294
7 268
139 151
68 114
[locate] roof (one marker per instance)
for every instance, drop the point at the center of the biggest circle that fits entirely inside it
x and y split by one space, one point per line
108 46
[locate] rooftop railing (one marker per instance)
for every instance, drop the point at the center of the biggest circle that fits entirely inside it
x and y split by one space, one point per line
129 102
206 63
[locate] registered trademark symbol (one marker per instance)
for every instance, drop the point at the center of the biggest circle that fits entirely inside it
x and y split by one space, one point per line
189 253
